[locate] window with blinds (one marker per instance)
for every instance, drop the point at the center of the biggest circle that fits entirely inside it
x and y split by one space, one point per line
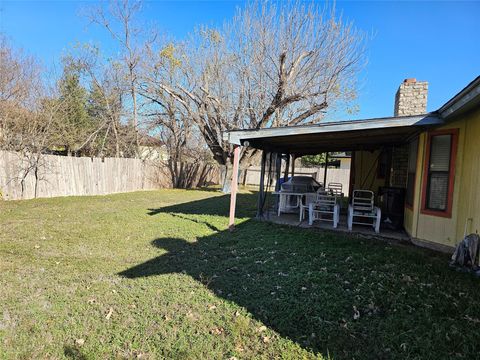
412 169
439 172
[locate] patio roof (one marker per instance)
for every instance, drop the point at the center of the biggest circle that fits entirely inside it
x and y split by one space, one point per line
367 134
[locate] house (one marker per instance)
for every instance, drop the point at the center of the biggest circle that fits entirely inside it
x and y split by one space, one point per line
342 160
151 148
434 157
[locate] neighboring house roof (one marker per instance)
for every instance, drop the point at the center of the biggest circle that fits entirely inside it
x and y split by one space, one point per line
340 155
366 134
150 141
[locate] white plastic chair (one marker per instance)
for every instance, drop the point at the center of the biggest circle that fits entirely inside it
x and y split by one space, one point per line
306 201
362 207
335 188
325 208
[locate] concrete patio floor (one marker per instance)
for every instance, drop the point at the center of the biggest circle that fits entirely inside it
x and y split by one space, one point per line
292 219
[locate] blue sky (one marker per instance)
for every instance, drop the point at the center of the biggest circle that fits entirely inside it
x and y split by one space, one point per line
434 41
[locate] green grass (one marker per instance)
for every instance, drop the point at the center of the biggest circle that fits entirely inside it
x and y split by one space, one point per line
156 275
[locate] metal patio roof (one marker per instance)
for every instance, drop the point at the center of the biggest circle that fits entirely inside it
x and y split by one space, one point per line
367 134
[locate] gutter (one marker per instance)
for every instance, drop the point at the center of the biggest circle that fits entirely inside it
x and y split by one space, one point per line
467 98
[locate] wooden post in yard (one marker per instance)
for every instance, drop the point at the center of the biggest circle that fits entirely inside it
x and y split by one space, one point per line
234 186
325 172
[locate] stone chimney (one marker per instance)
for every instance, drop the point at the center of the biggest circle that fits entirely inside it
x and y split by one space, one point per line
411 98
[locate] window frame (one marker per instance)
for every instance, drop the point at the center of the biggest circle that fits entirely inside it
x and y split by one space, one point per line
447 213
410 206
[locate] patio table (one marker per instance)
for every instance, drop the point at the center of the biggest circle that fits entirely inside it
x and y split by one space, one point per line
283 203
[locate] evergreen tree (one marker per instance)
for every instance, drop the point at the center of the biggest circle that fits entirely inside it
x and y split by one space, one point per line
76 121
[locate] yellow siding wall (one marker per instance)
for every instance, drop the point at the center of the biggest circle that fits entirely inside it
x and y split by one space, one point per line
466 196
408 221
469 184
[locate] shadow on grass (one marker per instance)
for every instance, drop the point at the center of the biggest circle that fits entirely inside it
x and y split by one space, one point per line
71 352
217 205
332 294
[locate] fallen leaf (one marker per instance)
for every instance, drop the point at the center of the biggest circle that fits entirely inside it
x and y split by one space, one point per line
212 307
37 246
190 315
262 328
239 348
80 342
266 339
109 314
217 331
237 313
474 320
356 313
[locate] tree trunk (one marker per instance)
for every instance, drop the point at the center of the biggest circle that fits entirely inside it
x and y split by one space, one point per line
35 193
135 122
227 177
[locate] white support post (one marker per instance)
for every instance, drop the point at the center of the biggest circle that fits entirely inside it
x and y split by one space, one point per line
234 187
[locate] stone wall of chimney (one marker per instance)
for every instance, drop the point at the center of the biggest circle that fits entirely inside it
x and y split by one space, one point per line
411 98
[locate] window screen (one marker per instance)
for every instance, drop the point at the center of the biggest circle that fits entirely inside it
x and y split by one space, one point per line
412 167
439 172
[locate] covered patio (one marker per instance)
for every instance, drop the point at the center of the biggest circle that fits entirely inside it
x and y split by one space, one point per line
380 161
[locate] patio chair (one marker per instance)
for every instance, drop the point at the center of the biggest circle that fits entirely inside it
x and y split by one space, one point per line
326 208
335 188
307 199
361 208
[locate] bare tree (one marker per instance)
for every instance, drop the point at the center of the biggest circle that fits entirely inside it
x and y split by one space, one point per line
19 90
272 65
106 103
120 22
29 118
170 122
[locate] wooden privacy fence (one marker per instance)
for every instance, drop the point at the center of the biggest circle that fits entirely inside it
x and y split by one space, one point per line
251 176
74 176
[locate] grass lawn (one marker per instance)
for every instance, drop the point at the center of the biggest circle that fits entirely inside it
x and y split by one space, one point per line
156 275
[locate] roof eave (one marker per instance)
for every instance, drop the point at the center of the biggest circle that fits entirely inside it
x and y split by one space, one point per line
467 99
239 137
